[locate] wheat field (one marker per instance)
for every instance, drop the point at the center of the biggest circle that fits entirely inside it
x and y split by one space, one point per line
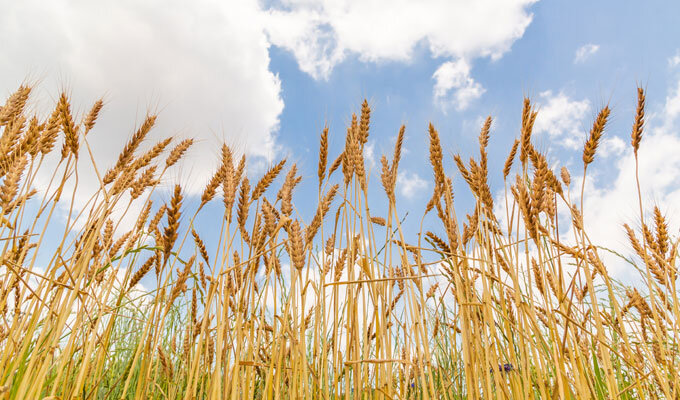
346 305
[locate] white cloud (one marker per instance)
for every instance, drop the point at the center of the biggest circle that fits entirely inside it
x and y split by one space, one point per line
584 52
410 183
611 146
312 42
672 107
675 60
561 118
369 154
321 34
204 66
454 87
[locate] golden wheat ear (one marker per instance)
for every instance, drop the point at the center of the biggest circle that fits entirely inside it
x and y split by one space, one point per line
323 155
639 121
595 135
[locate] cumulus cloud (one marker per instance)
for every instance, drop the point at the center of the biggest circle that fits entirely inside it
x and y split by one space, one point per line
321 34
205 67
410 183
454 87
584 52
312 41
561 117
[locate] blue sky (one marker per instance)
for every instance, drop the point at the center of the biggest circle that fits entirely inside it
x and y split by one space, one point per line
621 45
266 76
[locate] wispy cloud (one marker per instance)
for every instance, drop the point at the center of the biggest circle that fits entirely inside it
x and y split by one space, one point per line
369 153
410 183
612 146
584 52
675 60
454 87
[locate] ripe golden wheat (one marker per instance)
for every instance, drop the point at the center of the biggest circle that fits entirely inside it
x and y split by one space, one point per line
348 305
